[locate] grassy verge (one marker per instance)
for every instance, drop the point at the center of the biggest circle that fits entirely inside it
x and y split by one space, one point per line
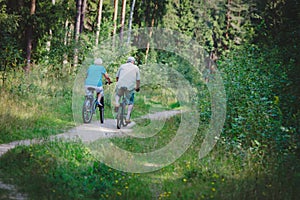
68 170
34 106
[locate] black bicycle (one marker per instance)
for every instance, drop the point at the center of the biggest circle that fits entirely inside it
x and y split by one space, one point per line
90 106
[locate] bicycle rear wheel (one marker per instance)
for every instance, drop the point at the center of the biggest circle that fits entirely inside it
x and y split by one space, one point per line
87 110
101 110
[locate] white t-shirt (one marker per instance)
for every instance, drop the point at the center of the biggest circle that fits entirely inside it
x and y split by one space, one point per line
128 74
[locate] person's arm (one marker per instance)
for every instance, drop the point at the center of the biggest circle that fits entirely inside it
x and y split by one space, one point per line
107 78
138 82
118 74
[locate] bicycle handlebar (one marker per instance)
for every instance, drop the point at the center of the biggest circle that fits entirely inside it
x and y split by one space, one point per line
107 83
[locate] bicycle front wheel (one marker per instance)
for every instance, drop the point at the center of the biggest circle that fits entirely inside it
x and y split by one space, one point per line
87 110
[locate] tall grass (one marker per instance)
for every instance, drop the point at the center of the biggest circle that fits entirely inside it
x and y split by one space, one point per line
34 105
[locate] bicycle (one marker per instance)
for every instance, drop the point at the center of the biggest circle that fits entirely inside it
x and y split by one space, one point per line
90 105
121 115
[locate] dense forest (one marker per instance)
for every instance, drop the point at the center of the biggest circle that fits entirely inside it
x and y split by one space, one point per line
34 32
254 45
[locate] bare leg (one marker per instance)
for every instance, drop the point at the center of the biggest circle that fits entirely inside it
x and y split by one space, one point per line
99 98
130 107
117 104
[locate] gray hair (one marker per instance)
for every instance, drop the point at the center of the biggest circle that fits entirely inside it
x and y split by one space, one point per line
98 61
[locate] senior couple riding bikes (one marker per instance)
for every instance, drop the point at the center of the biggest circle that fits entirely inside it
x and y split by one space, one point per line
128 82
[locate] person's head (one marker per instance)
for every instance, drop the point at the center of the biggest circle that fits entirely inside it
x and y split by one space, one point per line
130 59
98 61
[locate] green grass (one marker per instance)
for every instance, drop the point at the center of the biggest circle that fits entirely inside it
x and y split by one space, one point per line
30 110
69 170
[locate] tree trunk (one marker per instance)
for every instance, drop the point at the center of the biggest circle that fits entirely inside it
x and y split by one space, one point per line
228 19
67 36
151 30
130 21
99 18
122 19
48 43
83 10
115 19
29 33
77 30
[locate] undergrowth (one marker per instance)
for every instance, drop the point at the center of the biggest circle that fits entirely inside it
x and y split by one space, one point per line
34 106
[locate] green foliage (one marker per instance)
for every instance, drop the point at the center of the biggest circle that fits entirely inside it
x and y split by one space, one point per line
255 116
10 55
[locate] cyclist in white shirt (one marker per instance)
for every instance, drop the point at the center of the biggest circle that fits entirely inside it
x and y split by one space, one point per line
128 76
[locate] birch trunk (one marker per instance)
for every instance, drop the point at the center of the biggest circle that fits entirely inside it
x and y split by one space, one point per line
130 21
48 43
77 30
115 20
67 36
99 18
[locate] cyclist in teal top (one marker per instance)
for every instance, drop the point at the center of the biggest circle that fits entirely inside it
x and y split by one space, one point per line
93 79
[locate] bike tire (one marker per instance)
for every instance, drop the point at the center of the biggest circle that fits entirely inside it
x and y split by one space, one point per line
101 110
87 111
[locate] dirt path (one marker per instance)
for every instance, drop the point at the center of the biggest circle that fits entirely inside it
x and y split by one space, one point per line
93 131
85 132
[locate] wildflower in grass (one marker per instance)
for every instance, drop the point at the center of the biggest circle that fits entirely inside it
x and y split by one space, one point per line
215 175
119 193
213 189
184 180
